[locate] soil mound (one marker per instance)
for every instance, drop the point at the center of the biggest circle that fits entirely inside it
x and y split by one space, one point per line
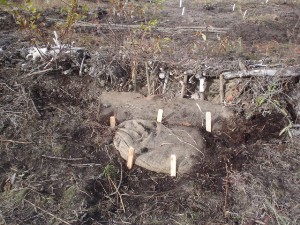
188 112
154 144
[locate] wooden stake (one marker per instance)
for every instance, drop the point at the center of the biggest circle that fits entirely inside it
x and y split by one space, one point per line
159 115
208 121
183 85
112 121
202 87
221 88
148 78
133 75
130 158
173 165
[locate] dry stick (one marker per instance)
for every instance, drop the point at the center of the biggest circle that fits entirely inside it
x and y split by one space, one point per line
173 165
86 165
8 87
202 121
60 158
120 182
226 183
148 79
48 213
52 106
182 141
117 191
221 88
35 108
49 63
37 72
12 141
81 65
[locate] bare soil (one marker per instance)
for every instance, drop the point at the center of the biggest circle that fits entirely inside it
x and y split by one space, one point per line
58 164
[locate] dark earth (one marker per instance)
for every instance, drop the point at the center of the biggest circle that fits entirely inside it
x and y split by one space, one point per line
58 164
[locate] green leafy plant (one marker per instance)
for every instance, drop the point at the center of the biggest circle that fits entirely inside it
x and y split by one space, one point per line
149 25
109 171
73 15
25 15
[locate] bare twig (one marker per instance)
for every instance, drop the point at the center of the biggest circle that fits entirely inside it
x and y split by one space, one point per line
184 142
37 72
225 186
48 213
202 114
86 165
120 182
13 141
60 158
81 65
120 196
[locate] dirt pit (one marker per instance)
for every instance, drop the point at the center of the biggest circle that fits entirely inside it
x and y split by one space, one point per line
58 164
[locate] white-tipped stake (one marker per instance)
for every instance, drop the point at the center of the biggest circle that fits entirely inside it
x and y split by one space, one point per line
233 7
202 85
173 165
183 9
208 121
159 115
130 158
180 3
112 121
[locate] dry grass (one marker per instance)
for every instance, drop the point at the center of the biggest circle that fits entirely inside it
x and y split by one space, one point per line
44 4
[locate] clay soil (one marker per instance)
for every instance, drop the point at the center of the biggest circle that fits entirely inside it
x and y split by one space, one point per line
58 164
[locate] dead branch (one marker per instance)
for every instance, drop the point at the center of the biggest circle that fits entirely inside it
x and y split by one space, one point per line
107 26
282 72
38 72
13 141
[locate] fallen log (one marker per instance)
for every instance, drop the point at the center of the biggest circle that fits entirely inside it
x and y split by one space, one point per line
280 72
108 26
